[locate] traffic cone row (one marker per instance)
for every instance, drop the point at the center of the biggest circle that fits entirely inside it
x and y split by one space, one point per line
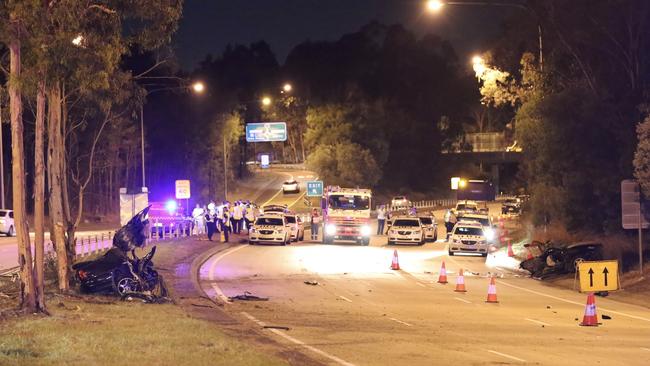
460 282
442 278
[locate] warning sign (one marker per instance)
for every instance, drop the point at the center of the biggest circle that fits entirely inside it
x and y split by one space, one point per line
598 276
182 189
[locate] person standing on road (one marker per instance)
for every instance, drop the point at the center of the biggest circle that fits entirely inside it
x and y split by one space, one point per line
198 215
226 226
381 219
450 221
315 220
237 215
209 221
249 217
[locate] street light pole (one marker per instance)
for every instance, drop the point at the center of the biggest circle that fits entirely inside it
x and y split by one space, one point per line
436 5
225 169
142 141
2 163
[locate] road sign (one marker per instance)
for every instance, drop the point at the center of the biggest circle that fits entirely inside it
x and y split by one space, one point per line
265 161
598 276
266 132
631 210
314 188
182 189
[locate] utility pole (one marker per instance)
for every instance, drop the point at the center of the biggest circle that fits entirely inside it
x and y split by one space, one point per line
142 140
2 163
225 170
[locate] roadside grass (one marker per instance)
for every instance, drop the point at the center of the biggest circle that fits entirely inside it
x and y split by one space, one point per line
120 333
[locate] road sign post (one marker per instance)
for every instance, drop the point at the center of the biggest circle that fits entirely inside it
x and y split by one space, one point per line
182 189
632 215
598 276
314 188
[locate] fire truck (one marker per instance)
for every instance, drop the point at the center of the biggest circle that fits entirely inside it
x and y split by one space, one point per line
346 214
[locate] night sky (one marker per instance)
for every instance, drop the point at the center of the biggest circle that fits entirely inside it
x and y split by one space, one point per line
209 25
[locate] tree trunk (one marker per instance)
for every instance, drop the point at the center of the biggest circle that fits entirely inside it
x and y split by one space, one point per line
27 290
56 172
39 194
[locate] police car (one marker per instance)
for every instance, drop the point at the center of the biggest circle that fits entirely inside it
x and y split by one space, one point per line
296 226
270 229
430 227
468 237
406 229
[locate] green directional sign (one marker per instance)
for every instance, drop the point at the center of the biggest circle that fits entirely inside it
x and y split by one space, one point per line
266 132
314 188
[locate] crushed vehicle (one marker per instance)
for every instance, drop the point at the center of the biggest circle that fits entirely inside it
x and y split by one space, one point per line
117 273
559 258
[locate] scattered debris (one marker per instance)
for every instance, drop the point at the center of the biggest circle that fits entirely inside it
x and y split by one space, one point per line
275 327
576 319
606 317
428 272
201 305
312 283
247 296
548 306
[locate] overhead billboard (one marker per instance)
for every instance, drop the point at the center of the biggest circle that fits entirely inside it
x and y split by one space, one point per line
266 132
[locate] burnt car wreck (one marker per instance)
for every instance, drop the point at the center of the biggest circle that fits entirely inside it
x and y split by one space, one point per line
120 274
554 258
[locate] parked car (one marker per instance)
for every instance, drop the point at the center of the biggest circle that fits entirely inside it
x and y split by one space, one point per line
468 237
280 209
430 227
400 201
406 229
511 205
297 227
7 222
290 186
559 258
270 228
484 219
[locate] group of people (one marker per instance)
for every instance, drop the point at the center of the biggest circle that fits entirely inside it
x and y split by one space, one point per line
227 218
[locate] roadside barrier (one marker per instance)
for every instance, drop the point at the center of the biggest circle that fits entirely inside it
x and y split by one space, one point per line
492 291
442 278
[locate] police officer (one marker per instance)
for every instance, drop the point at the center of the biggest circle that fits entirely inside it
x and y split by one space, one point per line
226 225
237 216
209 221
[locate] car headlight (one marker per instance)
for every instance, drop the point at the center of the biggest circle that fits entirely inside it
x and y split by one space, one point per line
417 232
392 232
2 221
365 230
330 229
252 230
489 233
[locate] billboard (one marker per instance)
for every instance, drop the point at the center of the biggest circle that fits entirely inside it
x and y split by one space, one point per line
266 132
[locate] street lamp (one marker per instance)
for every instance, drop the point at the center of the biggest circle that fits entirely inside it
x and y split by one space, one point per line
197 87
434 6
478 64
266 101
287 88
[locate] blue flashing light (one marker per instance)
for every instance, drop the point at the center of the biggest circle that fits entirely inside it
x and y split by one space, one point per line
171 206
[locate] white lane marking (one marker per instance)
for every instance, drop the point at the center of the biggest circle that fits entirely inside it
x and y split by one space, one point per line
299 342
299 197
401 322
573 302
213 266
420 284
506 356
463 300
537 321
645 349
345 298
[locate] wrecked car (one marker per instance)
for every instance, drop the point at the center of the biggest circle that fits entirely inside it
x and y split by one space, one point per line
118 273
559 258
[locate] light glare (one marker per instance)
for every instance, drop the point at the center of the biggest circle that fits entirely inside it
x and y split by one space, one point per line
434 5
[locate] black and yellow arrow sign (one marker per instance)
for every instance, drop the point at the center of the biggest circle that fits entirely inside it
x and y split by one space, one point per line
598 275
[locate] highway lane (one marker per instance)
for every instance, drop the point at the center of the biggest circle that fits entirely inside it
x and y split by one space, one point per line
365 314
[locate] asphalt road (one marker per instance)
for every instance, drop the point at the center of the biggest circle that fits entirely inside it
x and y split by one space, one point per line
359 312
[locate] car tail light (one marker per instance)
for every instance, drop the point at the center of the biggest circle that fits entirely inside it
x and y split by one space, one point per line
82 274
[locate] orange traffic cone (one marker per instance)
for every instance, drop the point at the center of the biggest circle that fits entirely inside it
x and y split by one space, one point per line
442 278
590 319
492 291
460 282
510 252
395 264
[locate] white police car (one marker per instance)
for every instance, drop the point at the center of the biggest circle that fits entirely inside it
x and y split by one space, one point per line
468 237
270 229
406 229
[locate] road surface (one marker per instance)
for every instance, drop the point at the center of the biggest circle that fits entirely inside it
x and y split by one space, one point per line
357 311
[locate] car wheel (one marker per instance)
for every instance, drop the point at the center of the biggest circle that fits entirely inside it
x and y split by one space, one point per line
451 254
573 265
250 242
435 236
12 231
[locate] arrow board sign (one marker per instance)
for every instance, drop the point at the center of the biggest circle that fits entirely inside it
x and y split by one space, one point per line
598 276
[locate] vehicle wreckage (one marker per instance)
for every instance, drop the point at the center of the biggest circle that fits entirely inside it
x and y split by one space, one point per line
559 258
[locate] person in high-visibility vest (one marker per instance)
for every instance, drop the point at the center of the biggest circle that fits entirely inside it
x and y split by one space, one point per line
226 226
237 216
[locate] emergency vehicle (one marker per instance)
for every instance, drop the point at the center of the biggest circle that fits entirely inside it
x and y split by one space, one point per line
346 214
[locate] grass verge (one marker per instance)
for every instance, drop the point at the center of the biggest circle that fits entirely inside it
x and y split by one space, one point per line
120 333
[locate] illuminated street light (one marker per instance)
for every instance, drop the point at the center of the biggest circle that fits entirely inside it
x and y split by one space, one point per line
478 64
78 40
266 101
287 88
434 5
198 87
